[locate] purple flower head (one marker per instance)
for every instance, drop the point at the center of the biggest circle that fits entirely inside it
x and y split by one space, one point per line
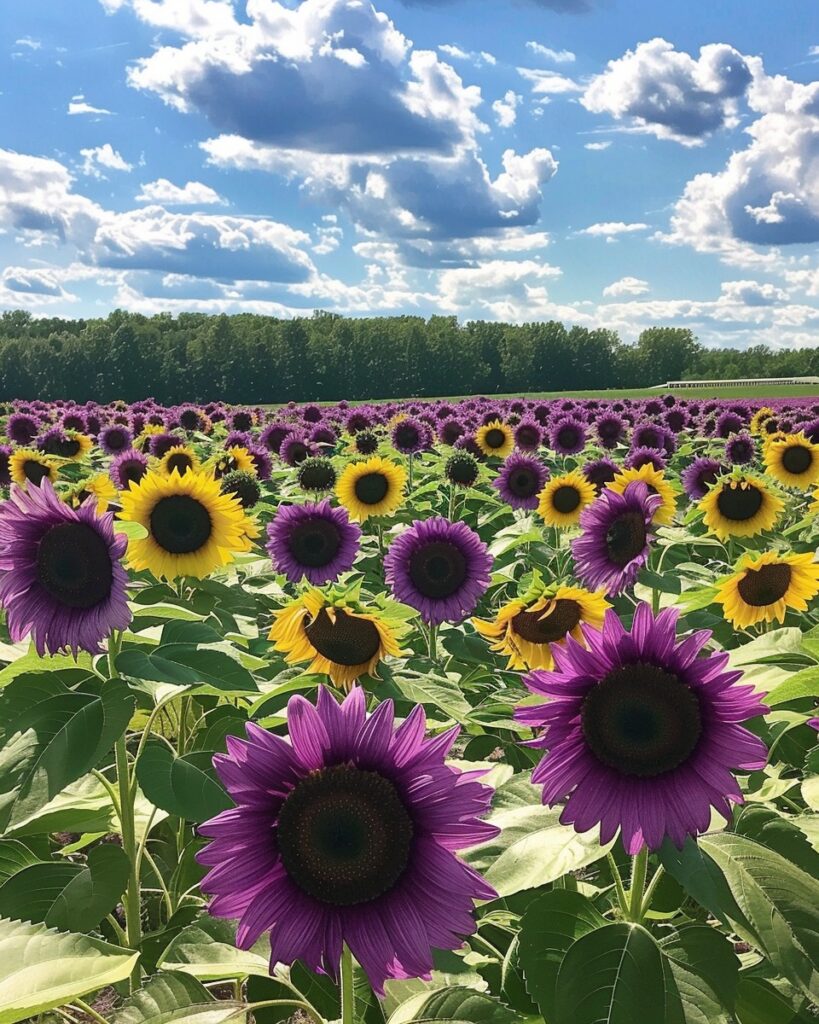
649 435
22 428
296 447
74 420
238 439
599 472
568 436
128 467
241 419
520 480
377 866
528 435
273 435
410 436
729 423
611 430
324 434
450 430
61 581
645 457
439 568
5 464
615 542
115 439
642 731
740 449
314 541
699 476
161 444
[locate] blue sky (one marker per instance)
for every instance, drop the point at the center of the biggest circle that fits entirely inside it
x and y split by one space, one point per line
613 163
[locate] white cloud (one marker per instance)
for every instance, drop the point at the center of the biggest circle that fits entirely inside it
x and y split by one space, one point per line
556 56
192 193
670 94
477 57
627 286
104 156
597 147
78 105
29 43
192 18
506 108
549 83
610 229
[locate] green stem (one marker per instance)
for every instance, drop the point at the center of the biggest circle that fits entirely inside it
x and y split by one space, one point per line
133 928
89 1011
411 473
451 502
433 643
346 985
639 871
652 888
618 884
655 600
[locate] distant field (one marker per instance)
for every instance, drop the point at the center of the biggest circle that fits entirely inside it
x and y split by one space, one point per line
804 391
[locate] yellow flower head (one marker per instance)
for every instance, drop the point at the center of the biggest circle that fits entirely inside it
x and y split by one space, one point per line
181 458
564 497
793 460
337 640
495 438
525 629
656 482
765 586
740 506
100 486
192 527
371 488
27 465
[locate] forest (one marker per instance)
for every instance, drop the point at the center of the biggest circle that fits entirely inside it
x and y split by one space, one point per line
252 359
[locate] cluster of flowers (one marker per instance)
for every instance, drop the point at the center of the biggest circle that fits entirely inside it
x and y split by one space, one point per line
346 830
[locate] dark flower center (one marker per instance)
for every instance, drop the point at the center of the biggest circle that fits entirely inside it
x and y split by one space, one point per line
179 461
641 720
349 640
706 477
797 459
316 476
297 452
35 471
523 483
344 835
132 472
116 440
626 538
462 471
650 439
189 419
562 619
566 499
766 585
495 438
567 437
314 542
406 436
180 524
366 443
242 421
371 488
74 565
437 569
609 428
527 436
739 503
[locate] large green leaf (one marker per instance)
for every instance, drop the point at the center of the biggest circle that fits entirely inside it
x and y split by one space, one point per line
614 975
14 856
207 950
65 895
550 925
185 786
533 848
171 998
704 971
454 1004
41 968
795 686
53 736
184 665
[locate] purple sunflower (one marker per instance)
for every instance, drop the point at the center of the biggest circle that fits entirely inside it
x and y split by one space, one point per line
5 464
611 430
347 834
128 468
643 732
313 540
600 472
740 449
616 539
638 457
699 476
22 428
61 581
410 436
115 438
439 568
296 447
568 436
520 480
528 435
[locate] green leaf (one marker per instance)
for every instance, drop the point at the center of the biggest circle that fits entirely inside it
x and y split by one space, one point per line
184 786
207 951
795 686
184 665
83 806
57 737
170 998
550 925
33 663
760 1002
444 694
614 975
533 848
62 894
41 968
14 856
456 1005
704 971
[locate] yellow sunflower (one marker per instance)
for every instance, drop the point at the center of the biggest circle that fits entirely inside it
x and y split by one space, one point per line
339 641
192 527
740 506
656 482
564 497
141 443
100 485
82 445
525 629
181 458
232 460
495 438
27 465
766 586
759 417
371 488
793 460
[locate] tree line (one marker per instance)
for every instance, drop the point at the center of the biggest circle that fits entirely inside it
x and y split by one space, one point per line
251 359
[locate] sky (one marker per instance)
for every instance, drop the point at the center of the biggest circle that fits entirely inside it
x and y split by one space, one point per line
607 163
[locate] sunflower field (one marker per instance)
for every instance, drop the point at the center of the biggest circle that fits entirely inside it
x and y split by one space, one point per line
489 711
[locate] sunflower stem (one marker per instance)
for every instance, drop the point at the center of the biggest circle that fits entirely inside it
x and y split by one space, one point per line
652 888
346 978
655 600
411 471
639 870
618 884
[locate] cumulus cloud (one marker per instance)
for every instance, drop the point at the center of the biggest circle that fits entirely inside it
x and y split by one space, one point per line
506 109
556 56
192 193
768 193
101 158
549 83
560 6
351 82
627 286
192 18
670 94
